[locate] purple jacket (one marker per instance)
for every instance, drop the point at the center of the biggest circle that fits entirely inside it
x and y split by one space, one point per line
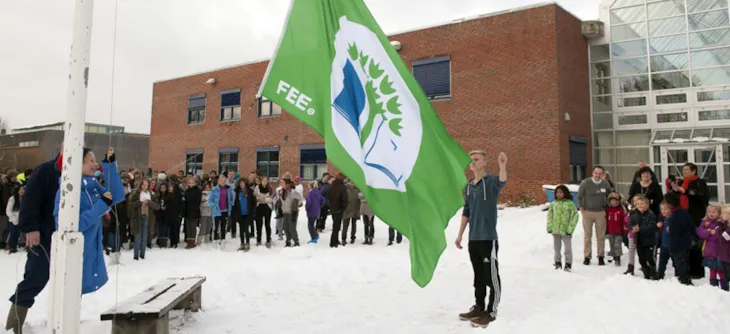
315 202
710 246
723 246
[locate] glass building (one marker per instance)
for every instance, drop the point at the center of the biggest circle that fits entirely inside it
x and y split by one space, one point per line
660 89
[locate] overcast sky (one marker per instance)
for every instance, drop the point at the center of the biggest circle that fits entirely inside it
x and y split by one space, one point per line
163 39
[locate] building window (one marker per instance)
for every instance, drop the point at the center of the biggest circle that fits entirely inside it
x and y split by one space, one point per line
267 161
434 76
268 108
312 161
194 162
231 105
196 109
227 160
578 159
33 143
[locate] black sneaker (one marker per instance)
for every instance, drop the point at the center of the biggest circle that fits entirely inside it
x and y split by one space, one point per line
587 261
568 267
629 270
600 261
390 243
558 265
344 243
475 312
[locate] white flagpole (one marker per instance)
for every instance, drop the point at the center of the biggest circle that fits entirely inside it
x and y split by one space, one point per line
68 243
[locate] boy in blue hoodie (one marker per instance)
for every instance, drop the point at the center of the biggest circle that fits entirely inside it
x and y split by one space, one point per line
677 233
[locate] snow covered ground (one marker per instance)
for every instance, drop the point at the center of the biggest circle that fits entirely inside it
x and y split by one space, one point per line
367 289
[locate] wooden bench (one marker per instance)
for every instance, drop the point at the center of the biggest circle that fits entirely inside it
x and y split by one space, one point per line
147 312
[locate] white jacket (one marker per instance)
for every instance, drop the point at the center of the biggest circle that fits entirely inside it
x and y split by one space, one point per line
12 215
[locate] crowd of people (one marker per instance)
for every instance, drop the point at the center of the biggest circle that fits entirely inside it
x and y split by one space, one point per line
680 224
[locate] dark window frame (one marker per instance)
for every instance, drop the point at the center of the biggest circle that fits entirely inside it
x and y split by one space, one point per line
196 112
270 164
194 161
434 89
234 107
316 164
230 163
270 107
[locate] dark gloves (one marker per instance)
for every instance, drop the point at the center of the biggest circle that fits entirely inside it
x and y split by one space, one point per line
106 200
110 159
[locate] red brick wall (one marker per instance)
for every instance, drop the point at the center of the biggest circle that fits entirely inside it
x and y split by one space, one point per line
506 95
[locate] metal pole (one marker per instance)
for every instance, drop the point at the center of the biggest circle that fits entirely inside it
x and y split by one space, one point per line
67 243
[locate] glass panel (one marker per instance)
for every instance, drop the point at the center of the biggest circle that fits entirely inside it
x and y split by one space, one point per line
670 80
275 109
308 172
599 52
726 158
265 108
633 138
708 173
624 3
627 102
665 8
720 95
637 83
604 139
602 103
671 117
702 134
629 49
673 62
628 32
602 121
708 20
678 156
668 44
711 58
628 15
632 119
710 38
629 156
662 135
600 70
721 133
670 26
705 155
711 76
601 86
671 99
714 115
630 66
604 156
702 5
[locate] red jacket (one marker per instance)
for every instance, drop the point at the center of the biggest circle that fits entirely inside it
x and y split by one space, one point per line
615 220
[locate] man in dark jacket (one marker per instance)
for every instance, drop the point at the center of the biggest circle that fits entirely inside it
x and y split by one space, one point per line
37 222
337 196
191 211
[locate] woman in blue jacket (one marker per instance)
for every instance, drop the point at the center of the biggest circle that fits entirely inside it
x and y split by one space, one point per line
95 202
221 206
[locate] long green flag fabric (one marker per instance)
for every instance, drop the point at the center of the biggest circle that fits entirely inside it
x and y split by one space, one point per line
336 71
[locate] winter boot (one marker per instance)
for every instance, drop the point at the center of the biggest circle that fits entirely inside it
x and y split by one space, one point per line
475 312
242 247
352 240
296 244
587 261
483 321
16 318
558 265
629 270
268 244
714 282
600 261
288 243
568 267
390 243
724 285
247 247
344 242
190 243
617 261
12 251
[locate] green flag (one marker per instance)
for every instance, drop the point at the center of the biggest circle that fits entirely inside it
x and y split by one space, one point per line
336 71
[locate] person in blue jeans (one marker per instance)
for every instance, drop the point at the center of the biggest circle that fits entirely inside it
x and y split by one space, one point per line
12 212
35 219
143 204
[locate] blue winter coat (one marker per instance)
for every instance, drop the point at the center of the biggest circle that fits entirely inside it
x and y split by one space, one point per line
92 208
214 200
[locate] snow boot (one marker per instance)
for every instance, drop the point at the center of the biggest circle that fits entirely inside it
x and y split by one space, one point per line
288 243
629 270
475 312
483 321
344 243
587 261
16 318
268 244
714 282
724 285
568 267
558 265
296 244
242 247
246 247
600 261
190 243
352 240
617 261
390 243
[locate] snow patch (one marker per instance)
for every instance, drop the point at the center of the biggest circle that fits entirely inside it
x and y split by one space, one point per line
701 139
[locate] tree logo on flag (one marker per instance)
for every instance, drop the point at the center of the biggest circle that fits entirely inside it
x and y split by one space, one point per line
374 114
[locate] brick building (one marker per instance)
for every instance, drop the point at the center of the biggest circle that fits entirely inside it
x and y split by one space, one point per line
513 81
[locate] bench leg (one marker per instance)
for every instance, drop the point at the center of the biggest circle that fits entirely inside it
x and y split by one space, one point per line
142 326
193 302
